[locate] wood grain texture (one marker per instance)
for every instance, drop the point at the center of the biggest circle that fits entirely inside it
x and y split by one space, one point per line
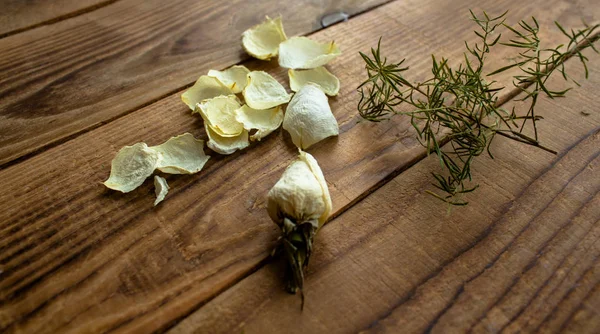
18 15
77 257
77 74
522 257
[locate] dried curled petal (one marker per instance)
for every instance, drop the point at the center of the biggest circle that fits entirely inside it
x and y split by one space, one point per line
226 145
262 41
131 166
264 92
183 154
264 121
205 88
318 173
303 53
308 117
219 114
233 77
161 188
328 82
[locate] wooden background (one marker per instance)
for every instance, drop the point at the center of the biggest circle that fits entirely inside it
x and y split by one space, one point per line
80 80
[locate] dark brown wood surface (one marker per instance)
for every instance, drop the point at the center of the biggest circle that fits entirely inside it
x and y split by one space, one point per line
61 80
17 15
77 257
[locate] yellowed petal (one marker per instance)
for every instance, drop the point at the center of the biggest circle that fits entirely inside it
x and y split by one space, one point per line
219 114
318 173
262 41
131 166
303 53
226 145
308 117
264 92
183 154
264 121
328 82
300 194
233 77
205 88
161 188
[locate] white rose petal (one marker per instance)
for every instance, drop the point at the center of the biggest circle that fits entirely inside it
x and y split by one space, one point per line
183 154
264 92
264 121
328 82
308 117
262 41
226 145
131 166
303 53
234 77
205 88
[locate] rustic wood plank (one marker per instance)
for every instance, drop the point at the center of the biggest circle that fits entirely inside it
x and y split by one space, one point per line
522 257
17 16
58 81
65 240
585 318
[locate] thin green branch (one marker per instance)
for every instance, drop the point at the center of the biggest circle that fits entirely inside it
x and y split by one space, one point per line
464 104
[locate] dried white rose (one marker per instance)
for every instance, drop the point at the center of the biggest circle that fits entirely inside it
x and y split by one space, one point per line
301 193
299 203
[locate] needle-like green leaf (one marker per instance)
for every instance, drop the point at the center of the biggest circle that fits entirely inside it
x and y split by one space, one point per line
462 102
